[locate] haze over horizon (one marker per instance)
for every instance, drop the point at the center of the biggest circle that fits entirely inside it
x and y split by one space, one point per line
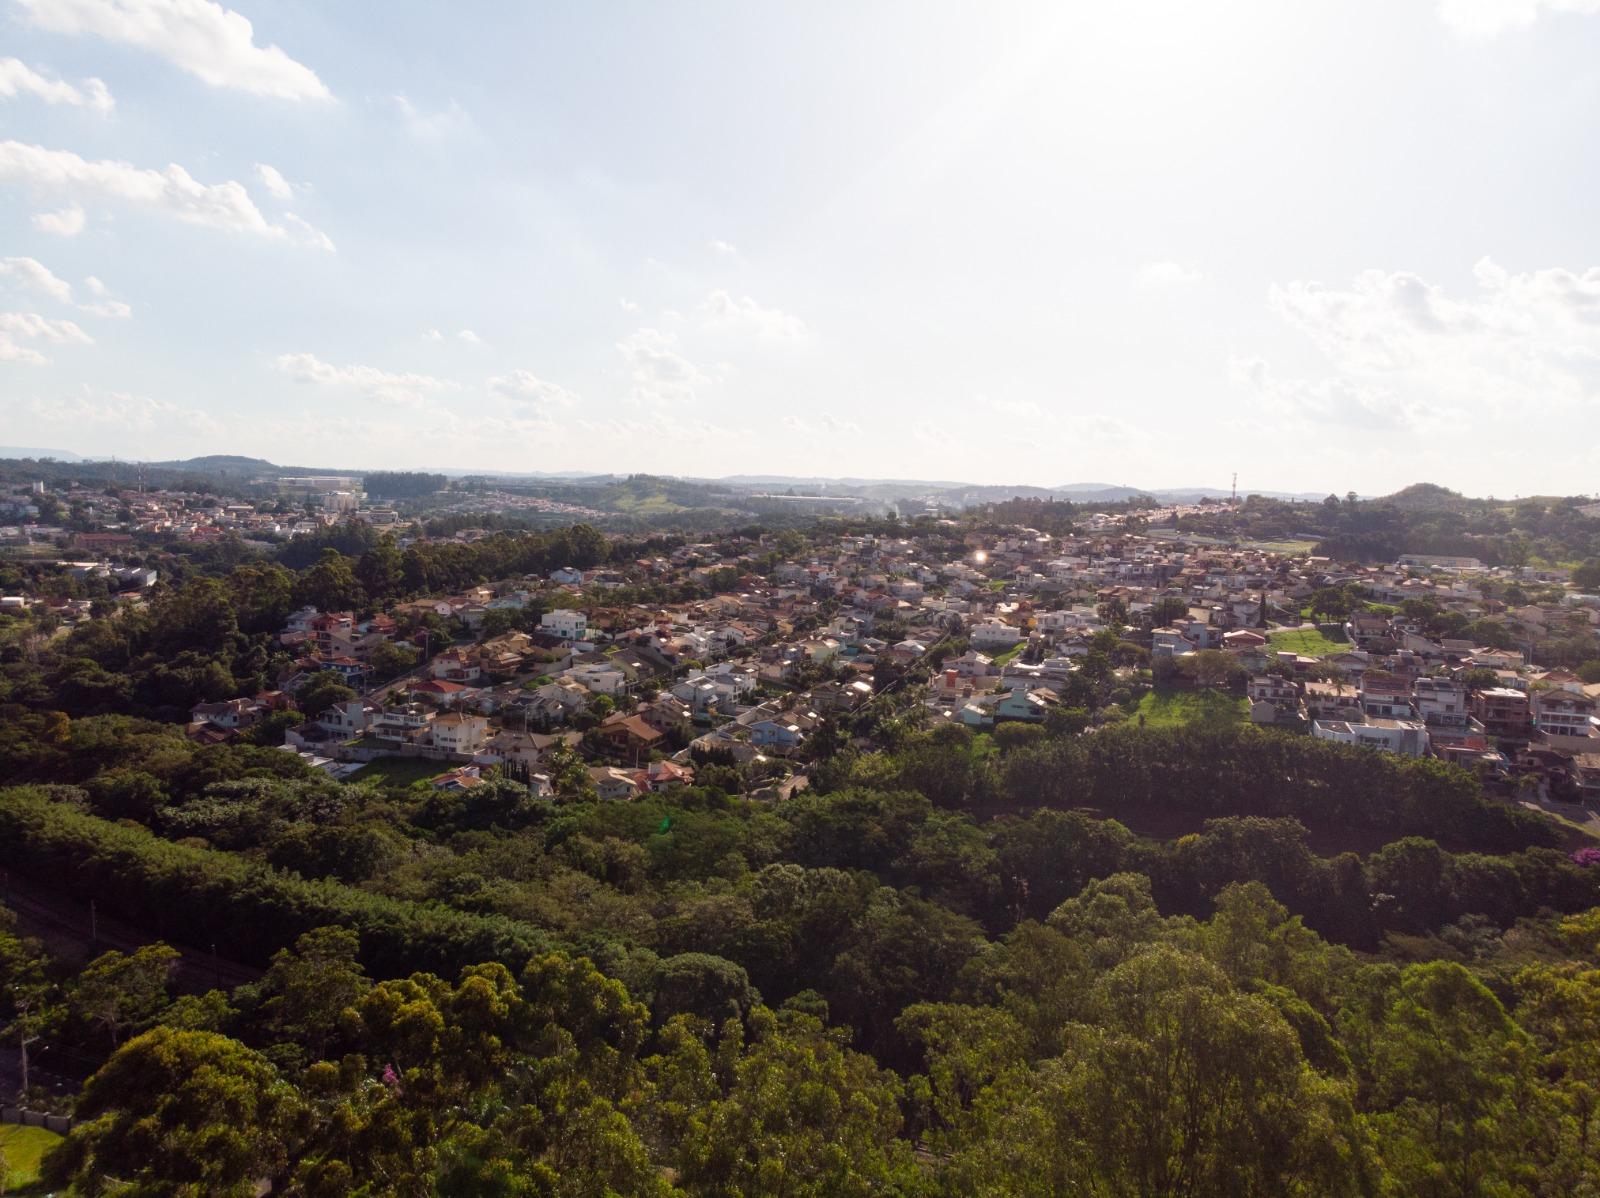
1332 246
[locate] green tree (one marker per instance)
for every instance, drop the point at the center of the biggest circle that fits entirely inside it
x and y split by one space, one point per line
796 1115
380 571
322 691
180 1113
118 991
330 584
393 658
307 989
1451 1069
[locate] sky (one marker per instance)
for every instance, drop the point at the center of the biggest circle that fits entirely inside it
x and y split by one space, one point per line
1329 245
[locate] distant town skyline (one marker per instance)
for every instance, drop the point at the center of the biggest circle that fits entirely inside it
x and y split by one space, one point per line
1336 244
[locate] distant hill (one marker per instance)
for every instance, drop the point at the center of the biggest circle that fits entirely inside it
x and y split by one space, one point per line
60 455
217 463
1426 497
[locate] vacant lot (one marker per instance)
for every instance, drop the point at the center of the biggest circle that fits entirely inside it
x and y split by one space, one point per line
20 1149
1170 709
399 771
1307 642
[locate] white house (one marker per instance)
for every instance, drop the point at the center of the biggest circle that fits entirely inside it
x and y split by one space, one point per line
598 678
1406 737
993 634
567 623
461 734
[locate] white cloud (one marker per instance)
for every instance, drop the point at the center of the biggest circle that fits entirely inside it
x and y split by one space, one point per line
1168 274
439 125
723 249
272 179
628 305
17 78
212 43
36 277
404 387
303 233
226 206
532 393
469 337
1334 401
104 304
657 371
1486 18
433 335
66 222
721 311
119 410
1432 372
16 327
1518 339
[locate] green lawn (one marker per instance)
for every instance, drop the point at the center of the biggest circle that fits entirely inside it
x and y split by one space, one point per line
1284 546
22 1147
399 771
1173 709
1307 642
1003 658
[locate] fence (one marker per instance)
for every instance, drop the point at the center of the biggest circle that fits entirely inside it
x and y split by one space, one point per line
60 1124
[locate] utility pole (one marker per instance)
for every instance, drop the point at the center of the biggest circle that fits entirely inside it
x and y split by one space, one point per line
1235 498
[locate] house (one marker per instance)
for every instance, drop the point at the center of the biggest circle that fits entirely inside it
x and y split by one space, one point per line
779 735
1503 711
1029 706
228 714
1406 737
993 635
628 734
464 777
1562 713
1169 642
345 720
1440 703
565 623
455 665
1385 696
971 664
529 749
403 721
598 677
567 576
667 715
1586 776
554 702
459 734
664 775
444 694
1369 632
612 783
1243 640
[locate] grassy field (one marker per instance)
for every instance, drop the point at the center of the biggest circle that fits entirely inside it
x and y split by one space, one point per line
1003 658
399 771
1172 709
1283 546
1307 642
647 505
21 1147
